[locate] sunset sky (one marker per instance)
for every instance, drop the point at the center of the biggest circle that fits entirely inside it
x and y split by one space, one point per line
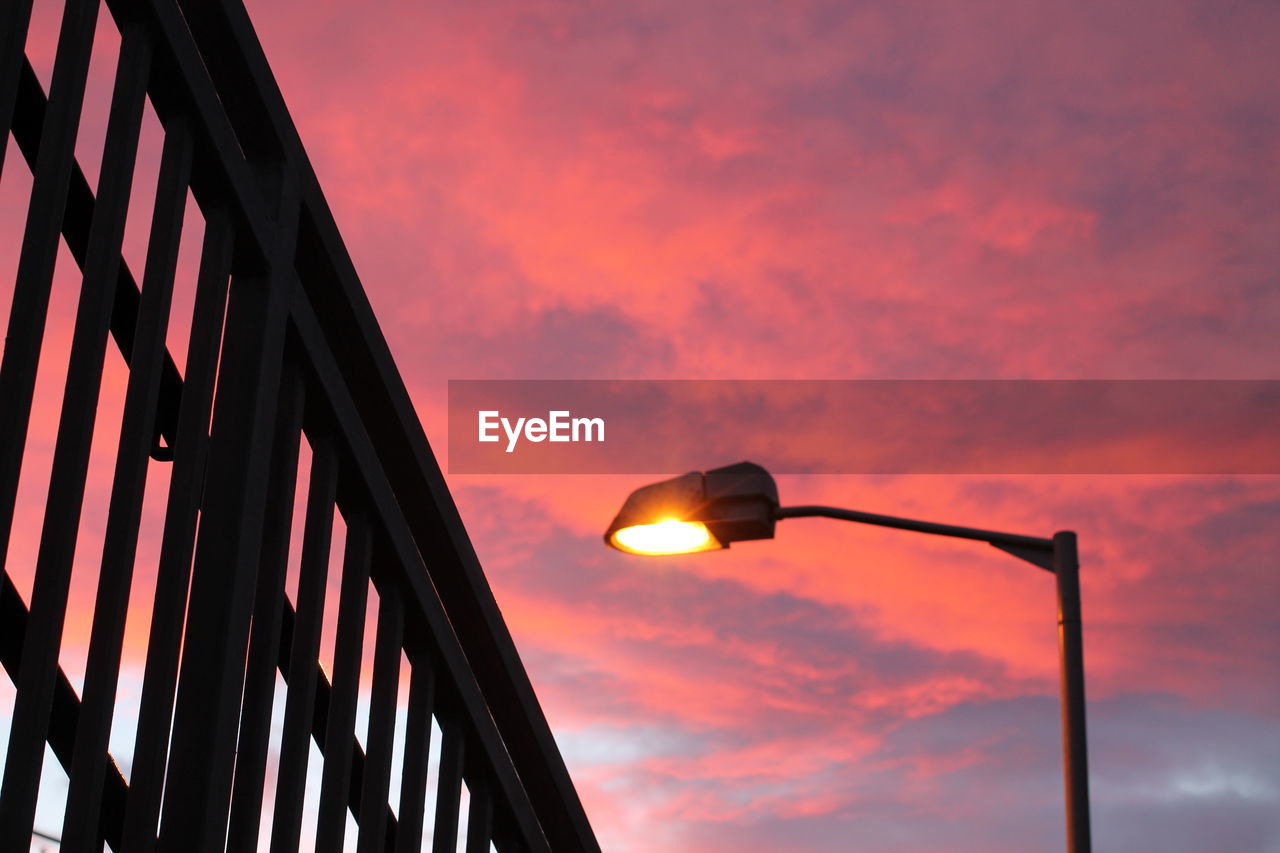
562 189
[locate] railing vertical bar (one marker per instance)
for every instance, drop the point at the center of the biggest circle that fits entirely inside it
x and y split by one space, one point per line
29 309
173 572
15 19
417 749
197 789
335 782
120 539
300 698
444 838
479 814
382 718
264 640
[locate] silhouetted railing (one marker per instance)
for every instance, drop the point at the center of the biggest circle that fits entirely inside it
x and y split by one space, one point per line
286 378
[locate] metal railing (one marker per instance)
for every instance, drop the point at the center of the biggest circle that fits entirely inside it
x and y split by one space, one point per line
283 351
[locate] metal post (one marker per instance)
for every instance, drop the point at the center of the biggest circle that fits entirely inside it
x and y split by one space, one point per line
1066 567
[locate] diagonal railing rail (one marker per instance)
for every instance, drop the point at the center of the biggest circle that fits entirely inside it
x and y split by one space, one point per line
282 350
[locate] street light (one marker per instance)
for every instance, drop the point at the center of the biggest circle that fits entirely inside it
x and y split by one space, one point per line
706 511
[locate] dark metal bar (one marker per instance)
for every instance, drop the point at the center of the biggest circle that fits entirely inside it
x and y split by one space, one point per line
264 641
417 749
479 813
206 709
28 311
15 18
1075 751
506 836
382 719
178 538
300 698
1033 543
120 541
335 782
444 837
225 40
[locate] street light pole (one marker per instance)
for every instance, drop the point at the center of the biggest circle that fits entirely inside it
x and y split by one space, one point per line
1075 757
703 511
1059 556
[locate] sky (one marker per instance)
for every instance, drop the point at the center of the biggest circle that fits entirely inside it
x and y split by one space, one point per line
814 190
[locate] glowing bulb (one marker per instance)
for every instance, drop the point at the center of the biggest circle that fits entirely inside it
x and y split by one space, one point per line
669 536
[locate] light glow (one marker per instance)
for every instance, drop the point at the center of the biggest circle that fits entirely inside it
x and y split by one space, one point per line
669 536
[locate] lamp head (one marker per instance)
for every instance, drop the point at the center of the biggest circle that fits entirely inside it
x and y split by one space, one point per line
699 511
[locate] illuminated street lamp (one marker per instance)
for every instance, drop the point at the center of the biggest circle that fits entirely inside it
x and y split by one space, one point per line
707 511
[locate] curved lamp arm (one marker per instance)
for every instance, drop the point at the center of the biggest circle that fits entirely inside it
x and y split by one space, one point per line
1034 549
